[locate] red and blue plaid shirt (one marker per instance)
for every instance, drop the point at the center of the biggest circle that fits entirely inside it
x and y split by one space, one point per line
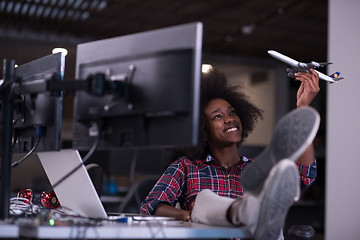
185 178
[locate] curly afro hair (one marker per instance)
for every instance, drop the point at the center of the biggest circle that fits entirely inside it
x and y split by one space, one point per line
215 85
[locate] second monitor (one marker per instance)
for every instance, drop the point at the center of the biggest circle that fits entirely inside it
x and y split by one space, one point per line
159 102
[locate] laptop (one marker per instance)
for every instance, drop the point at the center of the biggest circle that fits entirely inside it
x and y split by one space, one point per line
76 193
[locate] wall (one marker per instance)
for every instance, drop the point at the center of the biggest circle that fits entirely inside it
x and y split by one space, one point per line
343 123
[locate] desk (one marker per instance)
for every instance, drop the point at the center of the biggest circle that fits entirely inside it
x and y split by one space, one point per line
8 230
141 230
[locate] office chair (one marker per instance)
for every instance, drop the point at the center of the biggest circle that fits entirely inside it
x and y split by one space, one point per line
301 232
137 193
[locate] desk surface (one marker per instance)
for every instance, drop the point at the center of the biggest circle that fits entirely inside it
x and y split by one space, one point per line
8 230
142 230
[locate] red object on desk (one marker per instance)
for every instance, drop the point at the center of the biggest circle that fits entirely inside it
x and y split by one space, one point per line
50 200
27 194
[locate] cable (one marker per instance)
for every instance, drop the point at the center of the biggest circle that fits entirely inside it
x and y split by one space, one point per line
133 191
38 137
85 159
134 161
136 190
133 166
94 147
153 231
20 205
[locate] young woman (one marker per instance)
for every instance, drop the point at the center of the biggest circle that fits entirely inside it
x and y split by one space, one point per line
227 118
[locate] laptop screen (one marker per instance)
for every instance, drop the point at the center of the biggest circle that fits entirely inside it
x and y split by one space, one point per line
76 193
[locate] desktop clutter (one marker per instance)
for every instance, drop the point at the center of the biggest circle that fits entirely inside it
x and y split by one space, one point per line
29 208
42 209
25 202
39 209
27 212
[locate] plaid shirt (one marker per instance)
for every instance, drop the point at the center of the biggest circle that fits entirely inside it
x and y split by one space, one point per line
184 179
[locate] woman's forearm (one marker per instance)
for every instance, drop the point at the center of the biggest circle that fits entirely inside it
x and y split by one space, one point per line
169 211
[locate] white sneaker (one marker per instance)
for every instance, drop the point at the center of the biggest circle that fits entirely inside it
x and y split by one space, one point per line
292 136
264 214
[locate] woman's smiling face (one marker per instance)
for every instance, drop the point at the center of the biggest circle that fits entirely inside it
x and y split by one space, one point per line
223 125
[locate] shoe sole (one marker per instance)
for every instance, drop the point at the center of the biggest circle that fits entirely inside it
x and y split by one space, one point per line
292 135
280 192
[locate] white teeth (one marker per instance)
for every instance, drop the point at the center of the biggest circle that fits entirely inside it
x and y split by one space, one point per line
231 129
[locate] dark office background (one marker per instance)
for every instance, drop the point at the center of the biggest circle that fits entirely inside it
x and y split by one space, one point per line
233 30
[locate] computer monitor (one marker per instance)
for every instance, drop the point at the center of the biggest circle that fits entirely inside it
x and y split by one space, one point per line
40 114
159 105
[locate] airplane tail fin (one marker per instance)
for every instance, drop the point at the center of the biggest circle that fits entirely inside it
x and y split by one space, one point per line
335 76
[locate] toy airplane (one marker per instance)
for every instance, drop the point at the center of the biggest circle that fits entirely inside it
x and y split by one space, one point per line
304 67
